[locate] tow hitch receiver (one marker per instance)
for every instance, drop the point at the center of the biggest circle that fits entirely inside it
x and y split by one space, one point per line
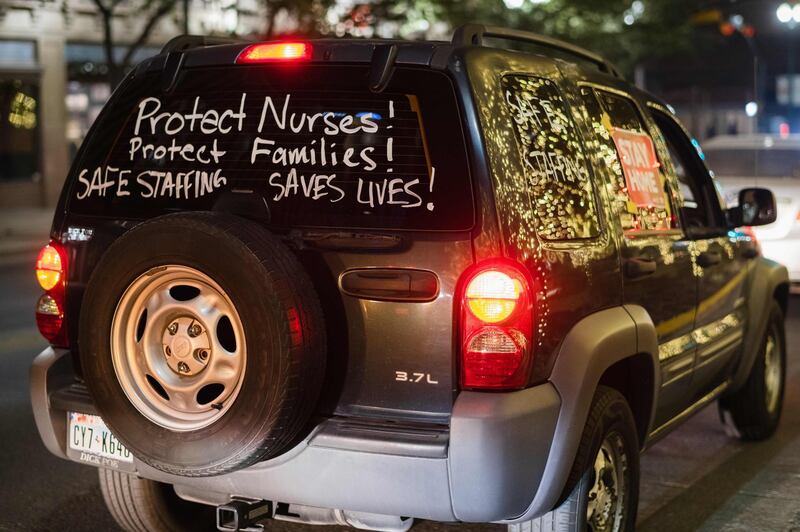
243 515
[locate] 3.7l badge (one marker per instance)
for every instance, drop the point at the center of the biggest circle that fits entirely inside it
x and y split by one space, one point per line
424 378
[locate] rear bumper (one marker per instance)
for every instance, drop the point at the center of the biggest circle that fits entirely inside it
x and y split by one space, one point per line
486 467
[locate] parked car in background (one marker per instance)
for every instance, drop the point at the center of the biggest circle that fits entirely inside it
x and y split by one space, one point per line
765 161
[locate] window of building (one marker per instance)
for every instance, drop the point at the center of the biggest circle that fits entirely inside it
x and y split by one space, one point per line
87 85
19 127
555 164
19 111
638 190
84 101
20 53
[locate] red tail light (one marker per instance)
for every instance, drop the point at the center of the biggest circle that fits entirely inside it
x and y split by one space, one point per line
275 52
496 327
51 273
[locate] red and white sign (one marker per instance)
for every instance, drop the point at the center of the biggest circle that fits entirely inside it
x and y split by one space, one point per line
640 166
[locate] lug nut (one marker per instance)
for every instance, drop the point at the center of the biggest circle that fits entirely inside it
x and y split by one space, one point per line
173 328
201 355
194 330
183 367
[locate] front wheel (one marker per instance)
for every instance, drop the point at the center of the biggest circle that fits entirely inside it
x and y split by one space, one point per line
605 476
755 409
141 505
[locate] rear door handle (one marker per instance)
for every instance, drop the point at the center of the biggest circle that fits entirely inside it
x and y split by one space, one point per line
640 266
390 284
709 258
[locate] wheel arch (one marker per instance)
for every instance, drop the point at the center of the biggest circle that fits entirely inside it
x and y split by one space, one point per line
769 282
602 348
634 378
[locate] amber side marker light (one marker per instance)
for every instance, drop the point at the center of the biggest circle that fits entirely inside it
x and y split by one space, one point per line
275 52
51 274
496 327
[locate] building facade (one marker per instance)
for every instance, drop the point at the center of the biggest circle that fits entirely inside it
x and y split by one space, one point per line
53 79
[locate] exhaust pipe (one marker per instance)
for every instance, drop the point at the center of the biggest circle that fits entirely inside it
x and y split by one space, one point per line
243 515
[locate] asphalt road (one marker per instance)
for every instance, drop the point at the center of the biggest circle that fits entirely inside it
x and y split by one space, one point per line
696 478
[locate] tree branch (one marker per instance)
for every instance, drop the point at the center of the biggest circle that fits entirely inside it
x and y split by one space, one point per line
108 40
164 8
104 11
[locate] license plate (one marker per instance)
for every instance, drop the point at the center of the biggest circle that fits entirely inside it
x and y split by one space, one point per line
90 441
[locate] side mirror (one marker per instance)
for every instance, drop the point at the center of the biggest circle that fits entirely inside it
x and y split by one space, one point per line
756 207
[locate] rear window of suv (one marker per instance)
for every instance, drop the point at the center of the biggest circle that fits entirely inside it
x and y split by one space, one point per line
312 140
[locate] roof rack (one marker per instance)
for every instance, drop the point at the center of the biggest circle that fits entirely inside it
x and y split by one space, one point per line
187 42
474 34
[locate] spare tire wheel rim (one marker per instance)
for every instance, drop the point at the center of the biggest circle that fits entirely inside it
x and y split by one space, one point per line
178 347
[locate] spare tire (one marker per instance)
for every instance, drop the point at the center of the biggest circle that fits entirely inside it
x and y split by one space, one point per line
202 343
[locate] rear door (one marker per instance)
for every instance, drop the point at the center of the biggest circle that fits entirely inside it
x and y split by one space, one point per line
371 189
717 259
657 266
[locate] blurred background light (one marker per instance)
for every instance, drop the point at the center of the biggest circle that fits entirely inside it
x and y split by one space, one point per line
784 12
514 4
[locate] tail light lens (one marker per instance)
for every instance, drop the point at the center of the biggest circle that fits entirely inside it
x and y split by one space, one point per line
496 327
51 274
275 52
48 267
492 296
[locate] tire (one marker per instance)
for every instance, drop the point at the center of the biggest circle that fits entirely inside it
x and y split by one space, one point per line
755 409
610 429
263 369
140 505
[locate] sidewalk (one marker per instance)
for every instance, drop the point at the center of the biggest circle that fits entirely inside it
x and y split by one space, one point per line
23 232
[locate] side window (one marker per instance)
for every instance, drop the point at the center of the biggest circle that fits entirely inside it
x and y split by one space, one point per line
701 211
555 164
638 186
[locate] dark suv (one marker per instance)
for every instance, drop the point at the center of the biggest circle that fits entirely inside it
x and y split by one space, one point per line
361 282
